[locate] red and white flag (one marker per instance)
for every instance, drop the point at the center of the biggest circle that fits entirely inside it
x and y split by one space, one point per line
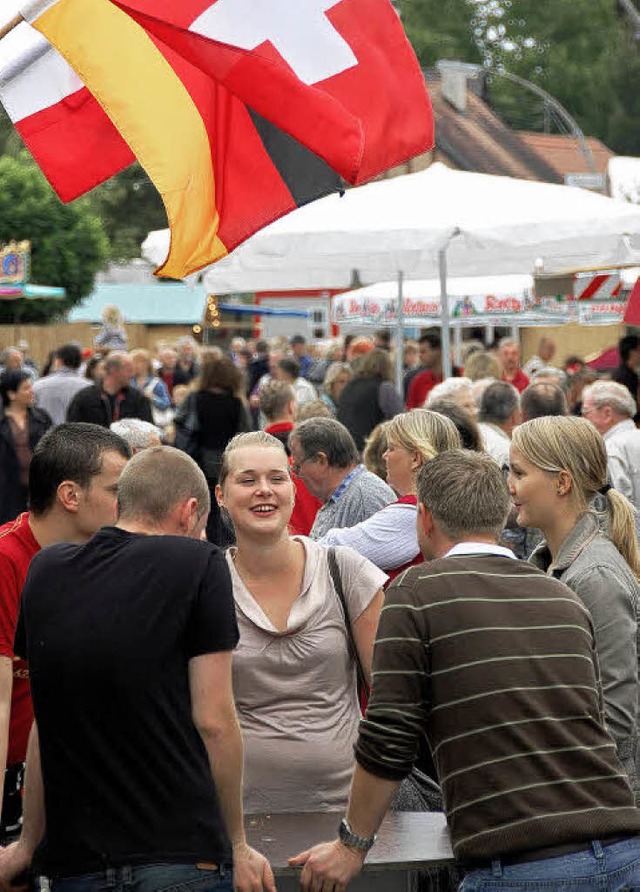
339 76
65 129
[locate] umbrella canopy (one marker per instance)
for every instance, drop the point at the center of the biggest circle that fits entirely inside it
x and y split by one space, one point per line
489 225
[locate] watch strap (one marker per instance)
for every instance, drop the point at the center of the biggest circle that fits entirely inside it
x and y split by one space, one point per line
352 840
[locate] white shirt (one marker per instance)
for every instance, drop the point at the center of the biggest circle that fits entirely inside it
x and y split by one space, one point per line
304 391
388 538
622 443
462 548
496 442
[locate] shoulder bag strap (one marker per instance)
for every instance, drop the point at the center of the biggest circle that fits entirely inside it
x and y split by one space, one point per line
334 570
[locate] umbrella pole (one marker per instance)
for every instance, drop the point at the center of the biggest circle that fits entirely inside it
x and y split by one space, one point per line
399 336
444 314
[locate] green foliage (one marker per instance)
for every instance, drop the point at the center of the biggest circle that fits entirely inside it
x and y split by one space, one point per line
440 29
579 51
129 207
68 242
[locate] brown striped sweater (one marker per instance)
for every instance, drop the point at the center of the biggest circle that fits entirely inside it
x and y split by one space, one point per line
495 663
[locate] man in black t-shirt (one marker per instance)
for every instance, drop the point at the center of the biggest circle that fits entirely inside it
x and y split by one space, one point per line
136 743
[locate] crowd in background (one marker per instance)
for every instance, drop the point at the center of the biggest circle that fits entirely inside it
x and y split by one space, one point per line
313 459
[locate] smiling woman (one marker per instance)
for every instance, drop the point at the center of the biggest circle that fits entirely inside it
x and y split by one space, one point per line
293 674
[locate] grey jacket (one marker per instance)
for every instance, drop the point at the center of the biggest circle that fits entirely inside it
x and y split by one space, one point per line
591 565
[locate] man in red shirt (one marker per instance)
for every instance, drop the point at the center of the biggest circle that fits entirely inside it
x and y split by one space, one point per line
509 356
73 480
430 348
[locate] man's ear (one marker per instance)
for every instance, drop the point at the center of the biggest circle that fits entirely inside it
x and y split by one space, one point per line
321 459
188 516
425 519
68 494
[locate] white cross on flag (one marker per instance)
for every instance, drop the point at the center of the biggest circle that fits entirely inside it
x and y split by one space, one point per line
338 75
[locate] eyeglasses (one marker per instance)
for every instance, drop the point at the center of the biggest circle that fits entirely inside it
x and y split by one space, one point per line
296 467
587 410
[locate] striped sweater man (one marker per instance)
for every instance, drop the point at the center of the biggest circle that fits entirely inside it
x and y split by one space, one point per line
495 662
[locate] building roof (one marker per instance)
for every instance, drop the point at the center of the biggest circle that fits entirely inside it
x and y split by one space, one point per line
563 153
158 304
478 140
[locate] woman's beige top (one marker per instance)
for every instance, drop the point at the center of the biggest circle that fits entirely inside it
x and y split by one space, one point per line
295 691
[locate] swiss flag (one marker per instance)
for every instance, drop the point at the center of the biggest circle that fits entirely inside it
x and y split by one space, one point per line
337 75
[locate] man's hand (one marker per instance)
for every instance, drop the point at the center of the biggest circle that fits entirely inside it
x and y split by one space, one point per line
328 867
15 859
251 871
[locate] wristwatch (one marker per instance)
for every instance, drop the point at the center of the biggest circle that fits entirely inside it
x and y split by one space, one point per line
352 840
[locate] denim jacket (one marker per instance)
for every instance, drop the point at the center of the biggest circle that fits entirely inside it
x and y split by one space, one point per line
591 565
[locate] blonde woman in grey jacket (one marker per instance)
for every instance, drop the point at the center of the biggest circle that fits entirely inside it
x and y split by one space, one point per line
558 482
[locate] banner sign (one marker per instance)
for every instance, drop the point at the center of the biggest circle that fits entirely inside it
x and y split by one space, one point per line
14 263
521 309
490 309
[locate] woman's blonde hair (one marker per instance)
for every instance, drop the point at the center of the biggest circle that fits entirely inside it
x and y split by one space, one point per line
242 441
374 447
141 353
482 365
571 444
111 315
425 432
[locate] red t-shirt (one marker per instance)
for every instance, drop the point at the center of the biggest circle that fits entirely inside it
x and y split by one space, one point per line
17 547
520 381
418 558
306 506
419 388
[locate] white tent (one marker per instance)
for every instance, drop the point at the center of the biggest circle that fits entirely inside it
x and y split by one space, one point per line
424 225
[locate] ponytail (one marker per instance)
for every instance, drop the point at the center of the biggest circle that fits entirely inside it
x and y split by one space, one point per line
622 528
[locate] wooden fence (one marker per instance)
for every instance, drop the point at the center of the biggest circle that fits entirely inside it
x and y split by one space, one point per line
42 339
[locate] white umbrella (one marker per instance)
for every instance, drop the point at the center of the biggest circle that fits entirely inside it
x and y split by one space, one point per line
425 225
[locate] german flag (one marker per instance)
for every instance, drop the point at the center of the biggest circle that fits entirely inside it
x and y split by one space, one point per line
241 111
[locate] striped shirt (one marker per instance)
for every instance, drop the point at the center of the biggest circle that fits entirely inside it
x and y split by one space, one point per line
495 663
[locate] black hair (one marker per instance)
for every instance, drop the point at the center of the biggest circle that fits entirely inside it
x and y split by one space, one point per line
290 366
11 381
71 451
432 339
626 345
69 355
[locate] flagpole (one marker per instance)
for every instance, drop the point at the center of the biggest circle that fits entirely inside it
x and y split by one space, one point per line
11 24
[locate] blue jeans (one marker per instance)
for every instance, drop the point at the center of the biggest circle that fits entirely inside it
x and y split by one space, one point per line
607 868
147 878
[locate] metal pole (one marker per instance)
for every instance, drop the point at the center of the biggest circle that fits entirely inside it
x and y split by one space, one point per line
399 336
457 342
444 313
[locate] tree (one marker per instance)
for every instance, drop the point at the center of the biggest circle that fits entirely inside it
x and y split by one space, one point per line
580 51
128 204
129 207
68 242
440 30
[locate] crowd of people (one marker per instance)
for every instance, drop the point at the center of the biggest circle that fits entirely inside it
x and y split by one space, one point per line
264 580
